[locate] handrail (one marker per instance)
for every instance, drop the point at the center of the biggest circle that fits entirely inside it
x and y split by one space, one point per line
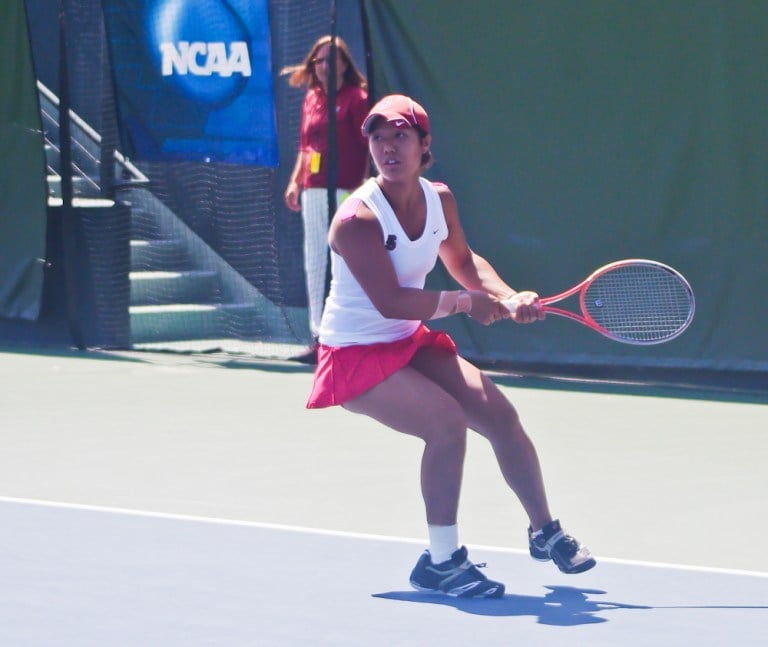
95 137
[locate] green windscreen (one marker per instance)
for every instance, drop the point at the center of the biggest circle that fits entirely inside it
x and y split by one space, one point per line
22 180
578 133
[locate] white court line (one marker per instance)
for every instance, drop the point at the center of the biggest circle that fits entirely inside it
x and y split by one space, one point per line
347 534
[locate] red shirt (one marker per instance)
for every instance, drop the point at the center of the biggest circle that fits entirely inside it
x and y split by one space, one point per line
352 145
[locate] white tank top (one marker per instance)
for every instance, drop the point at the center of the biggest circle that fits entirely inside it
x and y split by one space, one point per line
349 316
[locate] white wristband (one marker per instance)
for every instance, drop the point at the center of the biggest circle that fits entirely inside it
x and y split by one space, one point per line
452 302
464 302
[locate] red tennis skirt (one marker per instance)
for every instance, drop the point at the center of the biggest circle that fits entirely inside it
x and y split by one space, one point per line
344 372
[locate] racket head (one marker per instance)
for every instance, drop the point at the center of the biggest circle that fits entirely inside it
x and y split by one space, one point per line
637 301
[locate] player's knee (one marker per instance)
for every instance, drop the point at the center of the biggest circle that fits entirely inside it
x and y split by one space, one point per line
449 427
501 424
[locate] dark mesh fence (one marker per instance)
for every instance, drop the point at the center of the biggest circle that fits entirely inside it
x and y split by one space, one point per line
215 256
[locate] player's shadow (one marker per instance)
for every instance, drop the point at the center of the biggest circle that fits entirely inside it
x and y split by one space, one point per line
563 605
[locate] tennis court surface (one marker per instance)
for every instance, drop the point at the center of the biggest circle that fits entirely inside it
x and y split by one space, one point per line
158 499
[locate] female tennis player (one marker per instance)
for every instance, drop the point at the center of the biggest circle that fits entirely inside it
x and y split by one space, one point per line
376 357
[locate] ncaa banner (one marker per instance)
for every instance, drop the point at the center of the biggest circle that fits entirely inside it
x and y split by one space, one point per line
193 79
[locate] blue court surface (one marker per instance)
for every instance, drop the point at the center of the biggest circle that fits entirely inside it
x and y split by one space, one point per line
161 500
80 576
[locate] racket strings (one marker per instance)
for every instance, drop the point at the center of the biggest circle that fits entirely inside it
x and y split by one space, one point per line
640 304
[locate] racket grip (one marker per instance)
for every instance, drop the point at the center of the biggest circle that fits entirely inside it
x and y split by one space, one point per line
514 301
511 303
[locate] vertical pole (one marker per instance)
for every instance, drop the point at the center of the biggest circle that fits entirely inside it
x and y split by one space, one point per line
368 52
333 153
108 134
65 133
68 224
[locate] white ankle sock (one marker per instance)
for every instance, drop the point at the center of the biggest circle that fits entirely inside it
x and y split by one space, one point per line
443 542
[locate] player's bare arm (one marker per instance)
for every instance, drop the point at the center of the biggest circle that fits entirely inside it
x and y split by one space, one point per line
359 240
474 272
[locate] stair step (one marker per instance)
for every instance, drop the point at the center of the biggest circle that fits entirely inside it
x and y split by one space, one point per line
176 322
172 322
158 254
144 225
80 186
164 288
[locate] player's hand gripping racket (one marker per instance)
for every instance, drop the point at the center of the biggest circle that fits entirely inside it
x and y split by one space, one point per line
634 301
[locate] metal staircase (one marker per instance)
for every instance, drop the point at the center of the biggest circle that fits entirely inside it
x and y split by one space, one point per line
180 289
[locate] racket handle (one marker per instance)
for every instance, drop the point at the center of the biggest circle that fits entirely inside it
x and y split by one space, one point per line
513 302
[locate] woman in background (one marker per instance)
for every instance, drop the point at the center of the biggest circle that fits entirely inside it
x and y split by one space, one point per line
307 187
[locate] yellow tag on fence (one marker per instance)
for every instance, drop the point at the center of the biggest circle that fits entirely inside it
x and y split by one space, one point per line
314 162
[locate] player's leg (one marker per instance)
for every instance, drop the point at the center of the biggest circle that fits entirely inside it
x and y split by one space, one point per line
491 414
412 404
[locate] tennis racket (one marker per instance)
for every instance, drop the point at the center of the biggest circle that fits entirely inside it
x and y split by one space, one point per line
633 301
